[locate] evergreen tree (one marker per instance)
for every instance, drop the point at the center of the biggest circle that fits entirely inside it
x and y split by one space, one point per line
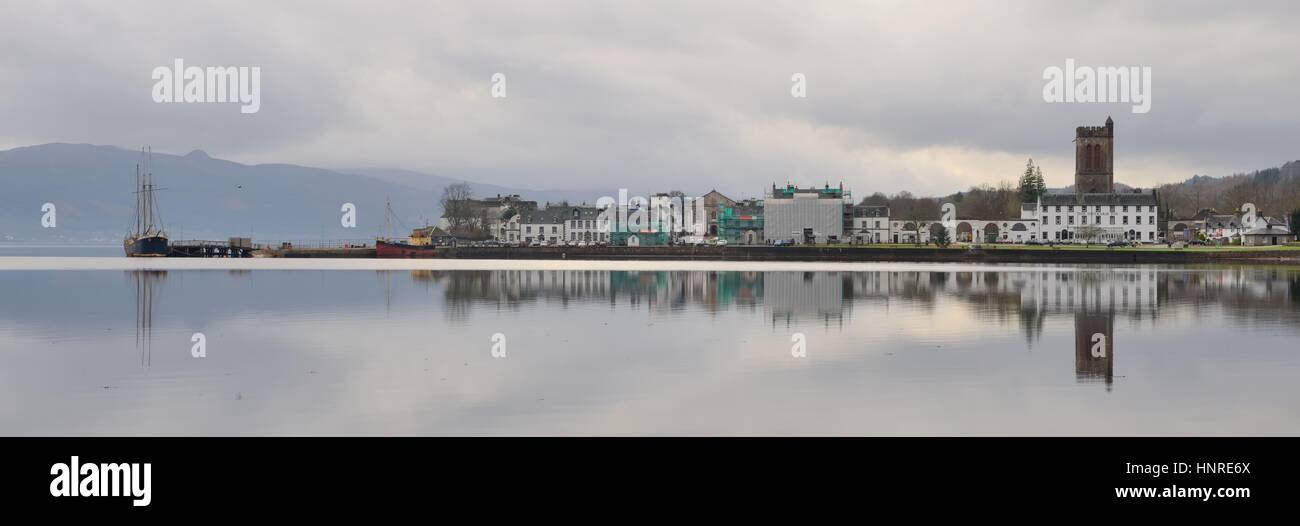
1040 183
941 237
1030 182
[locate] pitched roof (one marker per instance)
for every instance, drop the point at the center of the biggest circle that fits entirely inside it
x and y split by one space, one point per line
1222 221
1145 197
870 211
1268 231
554 215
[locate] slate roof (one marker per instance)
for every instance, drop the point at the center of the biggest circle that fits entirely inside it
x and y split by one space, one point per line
870 211
1147 197
1222 221
554 215
1269 231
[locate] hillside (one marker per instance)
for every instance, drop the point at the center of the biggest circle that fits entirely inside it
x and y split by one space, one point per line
92 188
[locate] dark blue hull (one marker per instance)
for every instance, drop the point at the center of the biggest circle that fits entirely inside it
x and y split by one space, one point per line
149 246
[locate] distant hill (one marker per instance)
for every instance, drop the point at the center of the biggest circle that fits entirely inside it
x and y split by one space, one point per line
433 182
207 198
1274 191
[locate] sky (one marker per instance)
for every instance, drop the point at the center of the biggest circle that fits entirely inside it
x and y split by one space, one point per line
928 97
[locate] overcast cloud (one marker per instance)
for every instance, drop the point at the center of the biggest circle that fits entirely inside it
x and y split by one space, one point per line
930 97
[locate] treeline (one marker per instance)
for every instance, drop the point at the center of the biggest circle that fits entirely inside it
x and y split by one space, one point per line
981 201
1274 191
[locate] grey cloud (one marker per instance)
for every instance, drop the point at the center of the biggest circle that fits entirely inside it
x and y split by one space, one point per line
689 95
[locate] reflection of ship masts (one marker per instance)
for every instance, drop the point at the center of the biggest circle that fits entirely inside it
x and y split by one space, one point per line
144 296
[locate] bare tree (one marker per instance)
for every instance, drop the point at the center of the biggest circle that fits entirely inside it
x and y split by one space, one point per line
457 209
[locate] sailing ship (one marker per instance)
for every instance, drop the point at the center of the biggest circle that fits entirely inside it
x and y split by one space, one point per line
147 239
419 245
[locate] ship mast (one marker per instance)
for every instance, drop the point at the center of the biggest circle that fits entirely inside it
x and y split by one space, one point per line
145 201
388 214
139 184
148 192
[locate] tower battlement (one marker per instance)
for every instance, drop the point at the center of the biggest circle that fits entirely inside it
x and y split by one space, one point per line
1094 158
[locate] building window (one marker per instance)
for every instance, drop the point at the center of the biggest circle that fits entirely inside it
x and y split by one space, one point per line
1058 220
1126 220
1112 220
1071 220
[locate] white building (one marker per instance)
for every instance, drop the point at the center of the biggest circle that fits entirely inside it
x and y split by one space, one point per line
584 224
1129 216
870 224
545 226
1093 211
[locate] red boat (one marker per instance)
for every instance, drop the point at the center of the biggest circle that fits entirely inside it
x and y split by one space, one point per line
389 249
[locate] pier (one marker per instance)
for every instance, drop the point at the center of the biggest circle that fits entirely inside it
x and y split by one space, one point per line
330 248
234 248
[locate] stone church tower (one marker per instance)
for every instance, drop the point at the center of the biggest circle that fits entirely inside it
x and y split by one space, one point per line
1094 156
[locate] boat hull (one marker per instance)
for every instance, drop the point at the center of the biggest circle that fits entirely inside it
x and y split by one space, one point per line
395 250
148 246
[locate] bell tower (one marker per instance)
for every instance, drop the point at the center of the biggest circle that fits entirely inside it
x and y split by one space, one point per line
1094 159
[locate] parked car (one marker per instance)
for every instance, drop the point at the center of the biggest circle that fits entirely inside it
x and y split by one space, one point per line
722 242
1116 244
1033 242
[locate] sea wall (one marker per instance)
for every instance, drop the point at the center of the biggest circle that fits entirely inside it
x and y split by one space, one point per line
907 254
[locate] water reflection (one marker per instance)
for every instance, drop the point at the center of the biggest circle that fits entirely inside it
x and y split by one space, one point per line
1093 299
145 281
904 350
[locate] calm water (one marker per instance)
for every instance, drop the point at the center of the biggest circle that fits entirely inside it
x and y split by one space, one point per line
890 349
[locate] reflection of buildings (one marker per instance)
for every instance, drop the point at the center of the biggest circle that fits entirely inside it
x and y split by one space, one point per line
1093 301
792 295
656 291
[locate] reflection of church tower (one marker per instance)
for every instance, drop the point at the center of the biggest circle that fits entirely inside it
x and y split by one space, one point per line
1094 347
1094 159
